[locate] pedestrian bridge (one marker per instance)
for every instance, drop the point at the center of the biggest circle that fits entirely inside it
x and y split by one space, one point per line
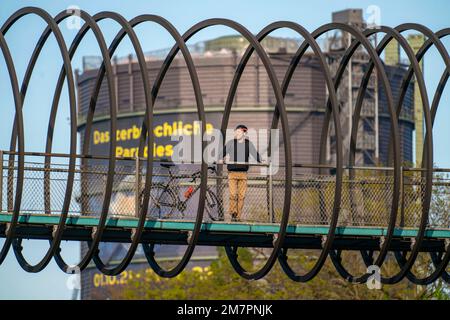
364 215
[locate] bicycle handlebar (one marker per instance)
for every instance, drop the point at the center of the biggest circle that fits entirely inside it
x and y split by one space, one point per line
196 175
213 169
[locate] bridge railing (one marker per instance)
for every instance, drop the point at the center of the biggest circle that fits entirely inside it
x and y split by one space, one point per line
367 193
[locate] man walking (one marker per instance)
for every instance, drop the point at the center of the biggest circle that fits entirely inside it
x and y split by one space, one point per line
238 150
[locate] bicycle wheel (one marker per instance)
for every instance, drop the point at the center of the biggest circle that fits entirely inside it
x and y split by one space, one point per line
213 206
163 202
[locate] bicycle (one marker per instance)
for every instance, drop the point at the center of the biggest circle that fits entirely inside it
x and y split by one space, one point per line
165 197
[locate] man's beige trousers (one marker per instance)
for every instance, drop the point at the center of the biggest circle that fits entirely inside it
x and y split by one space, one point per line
237 183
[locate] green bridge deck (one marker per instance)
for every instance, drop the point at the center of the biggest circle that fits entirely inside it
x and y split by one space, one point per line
118 229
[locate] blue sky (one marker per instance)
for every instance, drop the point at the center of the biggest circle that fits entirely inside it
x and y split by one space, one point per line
51 283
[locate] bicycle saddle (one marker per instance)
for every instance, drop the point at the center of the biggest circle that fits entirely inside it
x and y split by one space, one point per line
167 165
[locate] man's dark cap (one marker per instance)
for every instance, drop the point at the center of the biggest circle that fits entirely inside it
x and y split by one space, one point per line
241 126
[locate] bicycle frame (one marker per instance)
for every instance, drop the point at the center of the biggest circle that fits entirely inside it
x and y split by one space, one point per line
175 188
181 204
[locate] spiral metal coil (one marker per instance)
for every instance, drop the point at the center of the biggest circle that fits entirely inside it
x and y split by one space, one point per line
279 115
